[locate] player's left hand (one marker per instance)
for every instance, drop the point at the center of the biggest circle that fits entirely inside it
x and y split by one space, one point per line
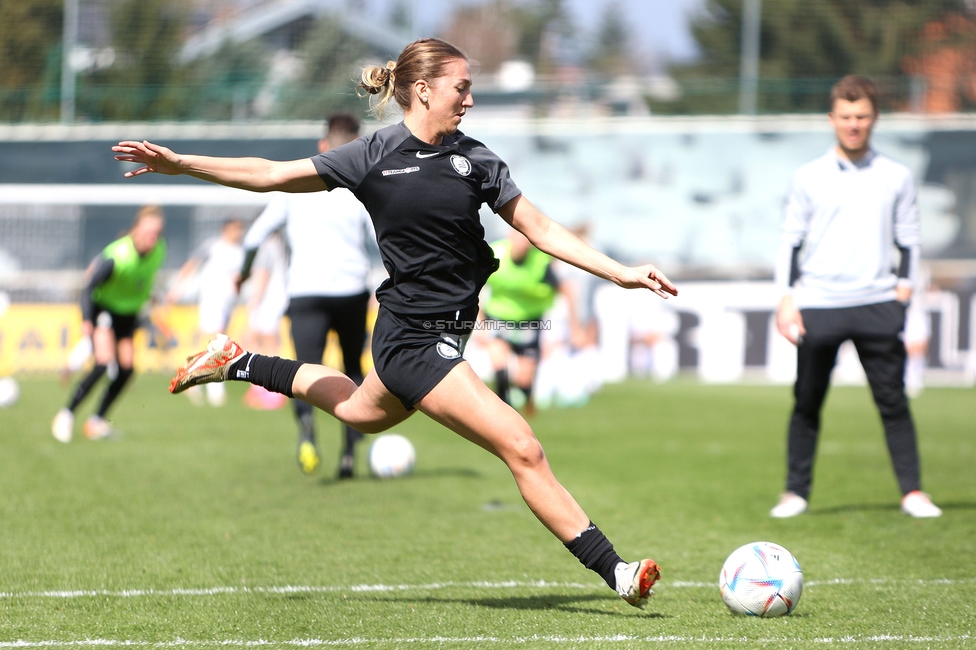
647 276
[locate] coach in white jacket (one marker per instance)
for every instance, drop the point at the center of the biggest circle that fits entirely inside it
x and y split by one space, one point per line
327 234
847 214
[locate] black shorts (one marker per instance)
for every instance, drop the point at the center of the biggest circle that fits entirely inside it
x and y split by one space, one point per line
123 326
524 337
412 354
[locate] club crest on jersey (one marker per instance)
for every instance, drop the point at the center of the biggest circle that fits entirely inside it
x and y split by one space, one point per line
461 165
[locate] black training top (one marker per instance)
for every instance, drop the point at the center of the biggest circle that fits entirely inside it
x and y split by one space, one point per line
424 201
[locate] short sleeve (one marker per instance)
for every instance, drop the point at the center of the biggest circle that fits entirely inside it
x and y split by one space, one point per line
344 166
497 186
550 277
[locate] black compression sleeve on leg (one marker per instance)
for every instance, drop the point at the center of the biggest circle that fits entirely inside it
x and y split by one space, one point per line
274 373
86 385
352 436
595 552
305 414
113 390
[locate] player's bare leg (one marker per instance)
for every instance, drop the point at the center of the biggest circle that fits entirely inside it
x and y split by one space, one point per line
369 408
487 421
481 417
484 419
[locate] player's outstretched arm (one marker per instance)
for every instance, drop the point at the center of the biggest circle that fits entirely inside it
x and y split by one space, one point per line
255 174
550 237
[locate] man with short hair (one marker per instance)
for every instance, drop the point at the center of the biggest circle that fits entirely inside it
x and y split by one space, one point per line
327 234
846 213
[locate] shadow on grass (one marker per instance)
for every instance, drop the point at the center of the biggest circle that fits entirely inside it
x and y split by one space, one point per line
563 603
957 505
886 507
855 507
421 474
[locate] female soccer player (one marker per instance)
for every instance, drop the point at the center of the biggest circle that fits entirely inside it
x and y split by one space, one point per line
423 182
120 284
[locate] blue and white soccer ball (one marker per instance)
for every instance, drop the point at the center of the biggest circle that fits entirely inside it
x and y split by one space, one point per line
761 579
9 391
391 455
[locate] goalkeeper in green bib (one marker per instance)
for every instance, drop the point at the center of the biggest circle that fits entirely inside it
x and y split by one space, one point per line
121 284
521 291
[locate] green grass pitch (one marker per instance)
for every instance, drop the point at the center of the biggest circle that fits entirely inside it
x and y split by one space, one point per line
196 529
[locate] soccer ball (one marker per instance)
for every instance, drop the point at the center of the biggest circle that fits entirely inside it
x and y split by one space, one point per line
761 579
391 455
9 392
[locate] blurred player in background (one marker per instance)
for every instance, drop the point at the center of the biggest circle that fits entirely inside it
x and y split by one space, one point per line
424 183
83 350
521 291
570 370
652 331
327 235
847 211
116 291
217 260
267 300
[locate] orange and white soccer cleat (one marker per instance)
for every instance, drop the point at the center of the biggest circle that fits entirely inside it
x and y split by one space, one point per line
213 364
634 581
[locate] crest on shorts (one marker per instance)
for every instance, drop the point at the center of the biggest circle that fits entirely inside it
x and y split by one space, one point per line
461 165
448 348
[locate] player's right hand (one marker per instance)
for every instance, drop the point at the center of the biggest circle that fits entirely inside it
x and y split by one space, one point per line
239 280
152 157
789 322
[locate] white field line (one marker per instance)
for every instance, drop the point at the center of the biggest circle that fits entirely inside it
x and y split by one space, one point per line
486 640
434 586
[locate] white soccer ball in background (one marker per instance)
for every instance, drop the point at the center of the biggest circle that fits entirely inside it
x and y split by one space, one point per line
761 579
9 391
391 455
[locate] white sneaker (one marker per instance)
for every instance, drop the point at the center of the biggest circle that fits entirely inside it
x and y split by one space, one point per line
216 394
63 426
790 505
98 428
634 581
196 396
918 504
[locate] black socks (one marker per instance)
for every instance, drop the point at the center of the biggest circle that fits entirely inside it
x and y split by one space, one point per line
501 384
274 373
81 392
113 390
595 552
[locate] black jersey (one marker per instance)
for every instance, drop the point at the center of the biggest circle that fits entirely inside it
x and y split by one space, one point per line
424 201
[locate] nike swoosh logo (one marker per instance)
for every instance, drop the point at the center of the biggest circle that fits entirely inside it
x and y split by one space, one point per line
426 155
